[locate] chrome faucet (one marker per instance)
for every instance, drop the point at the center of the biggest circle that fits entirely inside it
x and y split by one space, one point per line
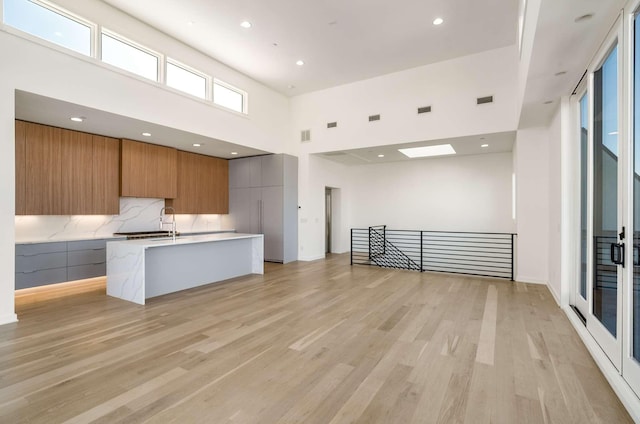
173 221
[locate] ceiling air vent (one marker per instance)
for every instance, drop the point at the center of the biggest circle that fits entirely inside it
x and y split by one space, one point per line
305 136
483 100
424 109
374 118
332 124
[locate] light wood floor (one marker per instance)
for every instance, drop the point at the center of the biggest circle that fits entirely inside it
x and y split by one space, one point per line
318 342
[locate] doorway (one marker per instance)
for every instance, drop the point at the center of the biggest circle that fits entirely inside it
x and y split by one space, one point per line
327 220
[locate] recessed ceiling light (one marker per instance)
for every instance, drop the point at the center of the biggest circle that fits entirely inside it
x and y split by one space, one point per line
438 21
380 156
425 151
548 102
245 24
560 73
300 62
77 118
197 144
583 18
146 134
484 145
291 87
234 153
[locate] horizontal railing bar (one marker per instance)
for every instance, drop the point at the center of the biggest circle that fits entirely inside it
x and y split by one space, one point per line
457 261
453 245
441 232
469 273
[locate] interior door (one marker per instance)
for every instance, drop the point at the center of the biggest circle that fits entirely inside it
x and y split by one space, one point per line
608 236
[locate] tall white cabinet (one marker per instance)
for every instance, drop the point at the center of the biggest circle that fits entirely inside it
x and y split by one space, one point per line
263 199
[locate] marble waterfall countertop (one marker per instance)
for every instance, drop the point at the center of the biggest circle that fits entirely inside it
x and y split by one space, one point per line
144 268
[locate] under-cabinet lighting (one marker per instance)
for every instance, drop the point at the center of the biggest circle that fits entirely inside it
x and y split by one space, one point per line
197 144
425 151
146 134
77 119
234 153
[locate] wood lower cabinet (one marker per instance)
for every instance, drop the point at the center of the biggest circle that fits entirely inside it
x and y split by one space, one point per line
203 185
64 172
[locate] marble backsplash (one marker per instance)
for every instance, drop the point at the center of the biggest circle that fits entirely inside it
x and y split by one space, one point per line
136 214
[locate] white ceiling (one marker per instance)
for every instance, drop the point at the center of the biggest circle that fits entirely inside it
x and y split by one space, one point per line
563 45
340 41
470 145
44 110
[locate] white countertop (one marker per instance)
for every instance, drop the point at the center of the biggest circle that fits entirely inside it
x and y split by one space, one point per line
34 240
181 240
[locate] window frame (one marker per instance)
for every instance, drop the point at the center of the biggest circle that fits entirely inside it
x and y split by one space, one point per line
208 89
93 27
116 36
244 94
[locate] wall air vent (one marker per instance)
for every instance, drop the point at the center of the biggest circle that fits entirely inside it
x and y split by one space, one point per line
424 109
332 124
305 136
374 118
483 100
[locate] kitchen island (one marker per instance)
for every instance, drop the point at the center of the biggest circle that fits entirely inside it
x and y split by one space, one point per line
140 269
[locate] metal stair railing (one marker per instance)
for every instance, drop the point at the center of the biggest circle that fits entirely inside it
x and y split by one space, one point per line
472 253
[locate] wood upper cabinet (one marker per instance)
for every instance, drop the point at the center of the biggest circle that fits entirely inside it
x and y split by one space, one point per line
69 172
21 167
106 166
203 185
148 170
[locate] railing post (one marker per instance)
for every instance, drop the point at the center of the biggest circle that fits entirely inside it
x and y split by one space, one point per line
351 249
369 244
512 237
384 239
421 254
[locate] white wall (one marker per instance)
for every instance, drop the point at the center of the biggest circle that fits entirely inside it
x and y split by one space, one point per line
321 173
531 162
450 87
466 193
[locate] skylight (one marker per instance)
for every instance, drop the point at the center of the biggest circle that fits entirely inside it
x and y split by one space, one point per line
426 151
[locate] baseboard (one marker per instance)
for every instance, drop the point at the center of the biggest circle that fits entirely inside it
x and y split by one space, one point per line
311 258
628 398
554 294
530 280
8 319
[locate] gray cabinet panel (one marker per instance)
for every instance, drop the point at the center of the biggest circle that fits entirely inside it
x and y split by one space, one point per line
263 199
272 170
86 257
41 262
40 278
245 172
86 245
86 271
39 248
272 223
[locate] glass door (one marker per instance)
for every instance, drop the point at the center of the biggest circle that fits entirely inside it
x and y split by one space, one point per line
608 234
